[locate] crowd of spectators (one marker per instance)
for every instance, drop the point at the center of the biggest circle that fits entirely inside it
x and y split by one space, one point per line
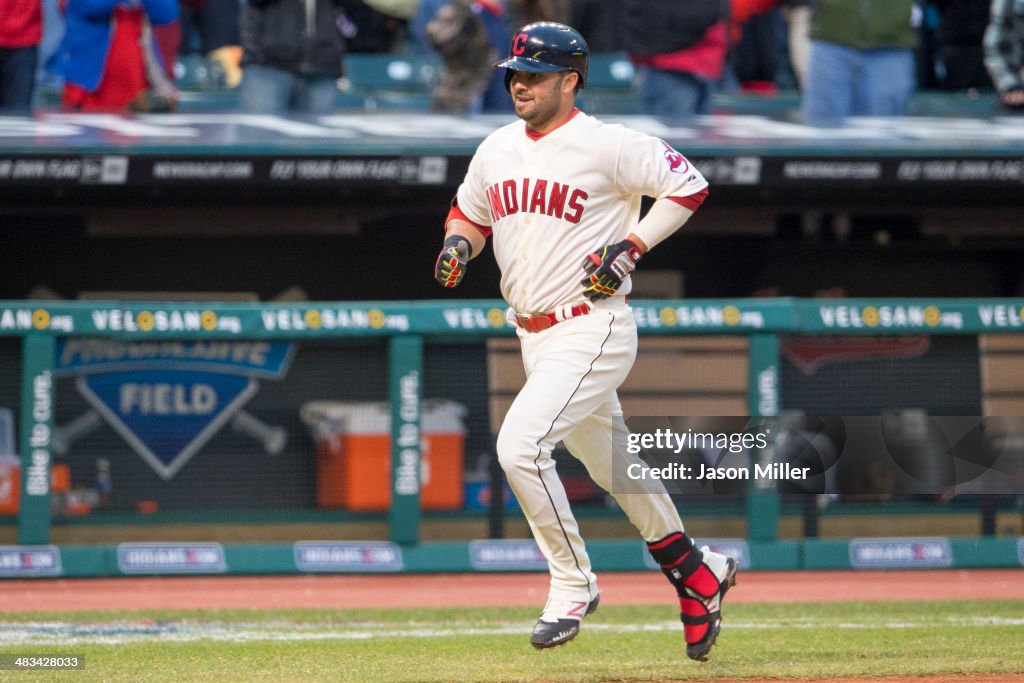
845 57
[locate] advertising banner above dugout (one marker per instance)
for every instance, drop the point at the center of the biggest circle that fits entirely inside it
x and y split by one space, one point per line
324 320
888 160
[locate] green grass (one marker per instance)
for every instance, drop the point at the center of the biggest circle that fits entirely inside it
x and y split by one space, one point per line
616 644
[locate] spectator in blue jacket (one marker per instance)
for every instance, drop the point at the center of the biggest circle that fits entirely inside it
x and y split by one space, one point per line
107 57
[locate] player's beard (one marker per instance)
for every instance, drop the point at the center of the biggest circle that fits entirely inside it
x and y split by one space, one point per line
536 112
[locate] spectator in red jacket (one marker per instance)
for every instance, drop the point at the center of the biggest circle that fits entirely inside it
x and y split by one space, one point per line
756 44
679 52
108 56
21 29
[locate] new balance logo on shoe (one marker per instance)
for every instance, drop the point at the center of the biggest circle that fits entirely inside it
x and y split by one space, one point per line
577 611
560 621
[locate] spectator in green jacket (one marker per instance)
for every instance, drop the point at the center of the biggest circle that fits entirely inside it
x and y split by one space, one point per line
861 61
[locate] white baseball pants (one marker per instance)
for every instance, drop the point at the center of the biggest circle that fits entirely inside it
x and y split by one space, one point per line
573 370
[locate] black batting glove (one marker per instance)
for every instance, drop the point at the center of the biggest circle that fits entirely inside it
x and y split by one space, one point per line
607 267
451 262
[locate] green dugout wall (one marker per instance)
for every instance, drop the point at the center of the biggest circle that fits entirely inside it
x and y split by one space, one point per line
406 327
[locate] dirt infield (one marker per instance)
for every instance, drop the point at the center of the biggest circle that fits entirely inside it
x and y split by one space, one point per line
454 590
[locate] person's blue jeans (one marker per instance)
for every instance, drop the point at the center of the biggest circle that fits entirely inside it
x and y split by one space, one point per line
672 93
843 81
17 78
268 90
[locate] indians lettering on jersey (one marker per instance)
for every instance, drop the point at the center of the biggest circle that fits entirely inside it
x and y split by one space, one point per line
529 195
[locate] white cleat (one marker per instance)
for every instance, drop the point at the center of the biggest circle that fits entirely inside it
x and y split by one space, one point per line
560 621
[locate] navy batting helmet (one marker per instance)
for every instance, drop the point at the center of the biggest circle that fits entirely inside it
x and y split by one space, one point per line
546 46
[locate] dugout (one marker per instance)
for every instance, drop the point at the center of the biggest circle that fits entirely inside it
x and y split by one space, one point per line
732 357
115 204
316 229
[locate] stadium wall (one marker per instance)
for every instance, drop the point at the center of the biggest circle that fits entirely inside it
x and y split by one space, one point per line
94 344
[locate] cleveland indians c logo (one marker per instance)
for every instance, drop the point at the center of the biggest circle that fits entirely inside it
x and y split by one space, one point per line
519 44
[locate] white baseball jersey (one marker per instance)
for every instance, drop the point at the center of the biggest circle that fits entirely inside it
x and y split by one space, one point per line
549 201
552 199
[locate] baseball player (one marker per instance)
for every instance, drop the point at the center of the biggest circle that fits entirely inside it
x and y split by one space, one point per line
559 193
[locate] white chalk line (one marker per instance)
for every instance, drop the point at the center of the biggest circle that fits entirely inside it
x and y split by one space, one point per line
121 633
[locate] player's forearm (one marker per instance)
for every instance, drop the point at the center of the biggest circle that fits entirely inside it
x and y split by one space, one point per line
664 218
457 226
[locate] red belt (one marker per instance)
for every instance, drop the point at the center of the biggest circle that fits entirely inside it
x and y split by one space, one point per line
542 321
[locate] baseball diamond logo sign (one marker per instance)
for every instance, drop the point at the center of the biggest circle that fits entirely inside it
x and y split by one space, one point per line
168 399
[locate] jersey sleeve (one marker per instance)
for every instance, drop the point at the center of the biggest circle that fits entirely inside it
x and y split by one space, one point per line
691 201
650 166
471 198
456 213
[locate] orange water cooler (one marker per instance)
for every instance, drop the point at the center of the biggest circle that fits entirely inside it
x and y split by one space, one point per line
10 482
353 459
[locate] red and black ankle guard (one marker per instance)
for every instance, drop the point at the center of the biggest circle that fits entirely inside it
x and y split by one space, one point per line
684 566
